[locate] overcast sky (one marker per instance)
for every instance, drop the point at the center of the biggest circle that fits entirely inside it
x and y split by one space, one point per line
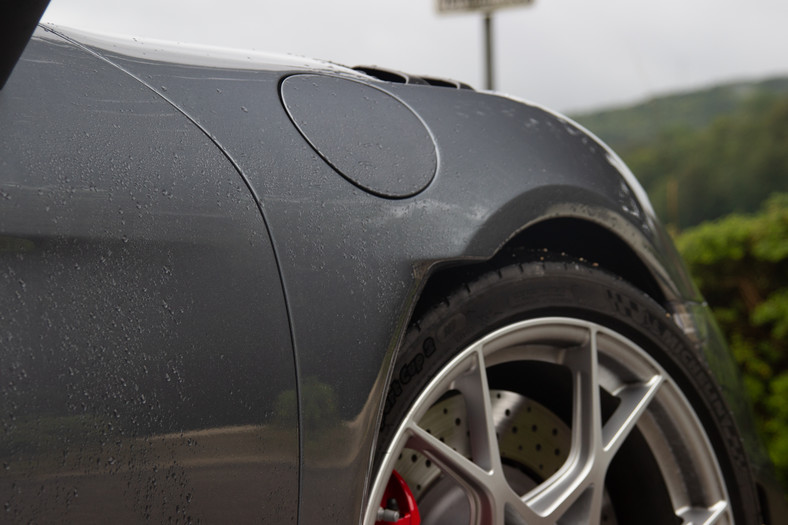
567 54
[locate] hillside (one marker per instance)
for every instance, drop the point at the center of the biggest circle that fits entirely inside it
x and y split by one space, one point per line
630 127
704 154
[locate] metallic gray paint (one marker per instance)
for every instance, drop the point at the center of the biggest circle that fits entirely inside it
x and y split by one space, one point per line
147 363
351 263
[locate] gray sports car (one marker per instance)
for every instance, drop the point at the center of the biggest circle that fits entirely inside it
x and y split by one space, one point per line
236 289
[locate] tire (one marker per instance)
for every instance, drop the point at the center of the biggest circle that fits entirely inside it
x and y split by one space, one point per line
593 408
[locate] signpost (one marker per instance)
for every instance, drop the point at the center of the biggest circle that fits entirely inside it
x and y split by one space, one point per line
452 6
487 7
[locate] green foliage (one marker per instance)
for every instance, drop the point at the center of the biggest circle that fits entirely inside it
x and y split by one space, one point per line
740 263
629 128
730 166
705 154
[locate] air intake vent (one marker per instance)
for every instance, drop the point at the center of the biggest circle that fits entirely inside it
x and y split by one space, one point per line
443 82
388 75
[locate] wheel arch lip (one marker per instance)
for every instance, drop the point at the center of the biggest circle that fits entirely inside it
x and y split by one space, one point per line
583 196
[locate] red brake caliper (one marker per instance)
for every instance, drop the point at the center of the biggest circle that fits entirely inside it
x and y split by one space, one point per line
398 505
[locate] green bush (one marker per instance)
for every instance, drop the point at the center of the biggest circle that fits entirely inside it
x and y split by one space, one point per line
740 263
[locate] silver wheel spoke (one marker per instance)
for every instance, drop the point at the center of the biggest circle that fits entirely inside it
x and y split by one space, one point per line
484 443
586 509
478 483
492 500
634 402
462 469
703 516
579 476
576 493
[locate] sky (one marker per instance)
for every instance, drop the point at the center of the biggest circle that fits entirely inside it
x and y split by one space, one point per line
571 55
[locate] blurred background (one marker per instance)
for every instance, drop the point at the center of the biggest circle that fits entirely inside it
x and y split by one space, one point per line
693 95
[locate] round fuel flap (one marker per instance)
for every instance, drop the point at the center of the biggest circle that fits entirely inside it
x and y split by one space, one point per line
367 135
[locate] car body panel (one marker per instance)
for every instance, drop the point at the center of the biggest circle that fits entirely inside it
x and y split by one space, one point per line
503 166
147 362
352 264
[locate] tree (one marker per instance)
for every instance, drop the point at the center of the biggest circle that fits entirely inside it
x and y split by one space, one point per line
731 165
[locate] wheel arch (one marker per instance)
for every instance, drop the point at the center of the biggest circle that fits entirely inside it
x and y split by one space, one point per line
576 237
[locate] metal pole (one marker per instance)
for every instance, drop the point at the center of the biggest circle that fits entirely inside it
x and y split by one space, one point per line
488 50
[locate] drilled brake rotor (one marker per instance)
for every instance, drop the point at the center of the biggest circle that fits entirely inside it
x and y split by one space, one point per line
533 442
